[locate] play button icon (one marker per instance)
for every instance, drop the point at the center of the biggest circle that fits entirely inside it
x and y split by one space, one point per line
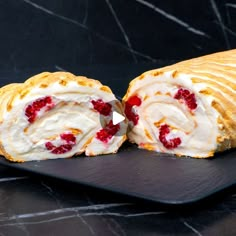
113 122
117 118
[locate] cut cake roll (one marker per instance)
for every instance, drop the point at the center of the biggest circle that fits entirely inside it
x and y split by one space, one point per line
58 115
187 109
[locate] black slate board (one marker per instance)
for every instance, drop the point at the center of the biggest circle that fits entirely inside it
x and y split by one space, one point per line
134 172
143 174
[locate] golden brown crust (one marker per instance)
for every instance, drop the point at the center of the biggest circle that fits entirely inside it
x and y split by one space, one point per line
218 74
8 156
12 94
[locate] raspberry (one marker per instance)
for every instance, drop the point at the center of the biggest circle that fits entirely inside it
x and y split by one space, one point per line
169 144
61 149
68 138
132 101
107 132
189 98
49 145
32 110
103 108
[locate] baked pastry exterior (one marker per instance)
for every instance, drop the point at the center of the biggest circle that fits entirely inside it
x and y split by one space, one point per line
187 109
58 115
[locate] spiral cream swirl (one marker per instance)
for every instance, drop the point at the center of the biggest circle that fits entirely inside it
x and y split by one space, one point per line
187 109
58 115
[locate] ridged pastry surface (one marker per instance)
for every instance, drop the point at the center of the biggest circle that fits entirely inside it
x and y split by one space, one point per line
187 109
58 115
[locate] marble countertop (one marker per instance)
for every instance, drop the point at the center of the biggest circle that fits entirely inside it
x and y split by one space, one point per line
36 205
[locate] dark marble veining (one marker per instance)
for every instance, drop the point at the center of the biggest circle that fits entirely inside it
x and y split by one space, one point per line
32 205
38 35
61 33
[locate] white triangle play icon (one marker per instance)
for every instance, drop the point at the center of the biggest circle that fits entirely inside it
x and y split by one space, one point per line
117 118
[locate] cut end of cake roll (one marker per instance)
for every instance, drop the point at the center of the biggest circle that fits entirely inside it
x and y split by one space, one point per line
186 109
58 115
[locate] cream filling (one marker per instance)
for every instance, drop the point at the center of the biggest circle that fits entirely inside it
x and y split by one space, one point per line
73 113
197 129
27 141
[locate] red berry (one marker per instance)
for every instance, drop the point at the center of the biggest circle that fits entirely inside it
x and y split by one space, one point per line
107 132
62 149
32 109
68 138
103 135
132 101
171 143
49 145
103 108
188 97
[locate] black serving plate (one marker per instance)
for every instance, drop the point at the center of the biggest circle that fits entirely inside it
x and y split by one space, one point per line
147 175
143 174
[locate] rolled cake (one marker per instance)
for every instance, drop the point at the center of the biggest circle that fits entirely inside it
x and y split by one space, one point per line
58 115
187 109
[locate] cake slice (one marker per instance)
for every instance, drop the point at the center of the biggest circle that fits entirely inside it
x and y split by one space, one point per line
58 115
187 109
